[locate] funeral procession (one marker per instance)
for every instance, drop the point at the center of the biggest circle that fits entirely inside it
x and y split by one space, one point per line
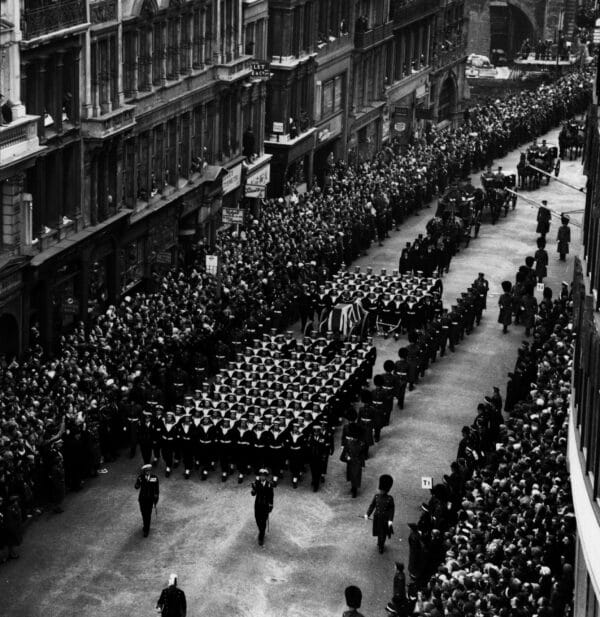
299 308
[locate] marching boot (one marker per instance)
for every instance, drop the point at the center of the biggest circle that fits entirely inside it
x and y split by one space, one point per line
167 472
204 474
240 478
187 473
295 482
224 477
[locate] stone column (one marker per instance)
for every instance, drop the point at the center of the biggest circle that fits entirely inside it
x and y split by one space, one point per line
10 201
132 59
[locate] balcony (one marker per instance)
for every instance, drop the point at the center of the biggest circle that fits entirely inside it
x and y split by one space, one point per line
365 40
333 44
109 124
53 18
19 140
236 69
412 10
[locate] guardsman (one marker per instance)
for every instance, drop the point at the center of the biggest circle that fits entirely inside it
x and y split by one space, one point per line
147 484
382 508
262 490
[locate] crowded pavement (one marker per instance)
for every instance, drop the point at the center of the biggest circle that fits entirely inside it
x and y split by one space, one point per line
316 542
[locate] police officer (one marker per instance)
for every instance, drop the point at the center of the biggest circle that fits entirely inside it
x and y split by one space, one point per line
262 490
147 484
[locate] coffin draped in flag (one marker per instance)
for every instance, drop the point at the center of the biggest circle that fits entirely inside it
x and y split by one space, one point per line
344 317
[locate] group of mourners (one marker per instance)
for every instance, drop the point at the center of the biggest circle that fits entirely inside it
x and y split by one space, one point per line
497 536
65 414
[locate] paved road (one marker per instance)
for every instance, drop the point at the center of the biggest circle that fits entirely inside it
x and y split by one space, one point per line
92 560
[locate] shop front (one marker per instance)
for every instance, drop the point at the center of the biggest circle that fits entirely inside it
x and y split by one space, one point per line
76 279
258 177
366 134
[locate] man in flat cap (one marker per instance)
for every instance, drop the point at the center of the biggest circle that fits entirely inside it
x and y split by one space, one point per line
172 602
147 484
382 508
262 490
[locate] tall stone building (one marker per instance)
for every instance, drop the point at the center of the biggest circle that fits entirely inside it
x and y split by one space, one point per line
146 118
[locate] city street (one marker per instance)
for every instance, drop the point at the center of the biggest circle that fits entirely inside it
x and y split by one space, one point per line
92 559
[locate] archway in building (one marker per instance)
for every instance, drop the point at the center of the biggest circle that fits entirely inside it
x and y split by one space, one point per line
509 27
447 100
9 335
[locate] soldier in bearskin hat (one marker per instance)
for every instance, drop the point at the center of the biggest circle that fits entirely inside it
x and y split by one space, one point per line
382 508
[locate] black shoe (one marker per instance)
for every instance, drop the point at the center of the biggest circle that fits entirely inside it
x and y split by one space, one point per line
146 532
240 479
315 488
186 475
167 472
322 479
223 477
381 549
204 475
261 540
295 483
354 492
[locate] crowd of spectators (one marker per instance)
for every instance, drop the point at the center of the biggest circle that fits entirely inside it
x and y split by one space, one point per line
62 416
497 537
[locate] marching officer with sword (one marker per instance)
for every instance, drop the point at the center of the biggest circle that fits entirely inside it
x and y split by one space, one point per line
147 484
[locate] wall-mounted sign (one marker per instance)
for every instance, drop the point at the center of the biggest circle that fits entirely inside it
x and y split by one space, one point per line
233 179
400 127
233 216
260 177
260 69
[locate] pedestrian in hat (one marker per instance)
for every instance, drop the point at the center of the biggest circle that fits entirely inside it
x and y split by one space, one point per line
563 237
505 302
262 490
147 484
382 508
353 596
172 602
541 260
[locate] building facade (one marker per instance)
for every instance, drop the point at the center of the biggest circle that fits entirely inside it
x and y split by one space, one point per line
505 25
349 75
144 119
584 420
